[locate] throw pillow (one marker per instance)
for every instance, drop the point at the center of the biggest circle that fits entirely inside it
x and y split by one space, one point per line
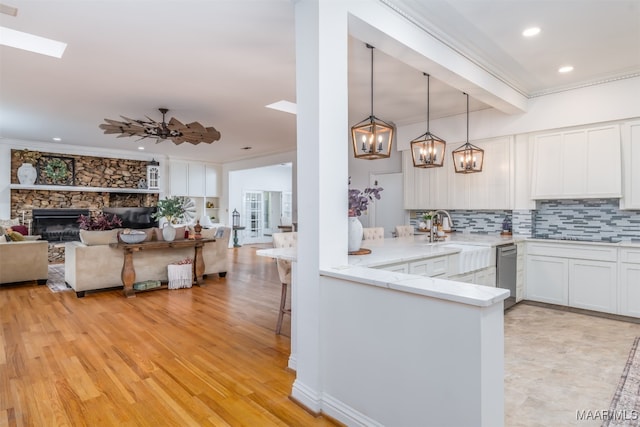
220 233
97 237
150 232
180 232
22 229
15 236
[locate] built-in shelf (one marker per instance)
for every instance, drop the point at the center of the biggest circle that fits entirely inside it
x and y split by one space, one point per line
84 189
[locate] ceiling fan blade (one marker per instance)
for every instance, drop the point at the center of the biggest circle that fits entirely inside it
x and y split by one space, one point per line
177 140
196 127
175 124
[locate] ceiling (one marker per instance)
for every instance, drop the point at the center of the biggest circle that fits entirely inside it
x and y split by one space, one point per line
219 62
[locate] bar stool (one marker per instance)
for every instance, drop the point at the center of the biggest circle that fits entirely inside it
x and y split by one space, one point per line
284 240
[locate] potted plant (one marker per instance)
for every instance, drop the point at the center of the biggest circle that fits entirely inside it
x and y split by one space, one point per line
358 204
27 173
100 222
172 210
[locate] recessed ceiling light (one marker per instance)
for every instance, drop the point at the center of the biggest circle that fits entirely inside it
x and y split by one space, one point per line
247 148
26 41
141 148
565 69
57 139
530 32
286 106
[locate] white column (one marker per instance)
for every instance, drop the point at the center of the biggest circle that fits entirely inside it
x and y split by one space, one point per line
322 129
5 180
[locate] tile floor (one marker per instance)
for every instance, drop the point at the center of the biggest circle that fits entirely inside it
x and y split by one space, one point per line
559 362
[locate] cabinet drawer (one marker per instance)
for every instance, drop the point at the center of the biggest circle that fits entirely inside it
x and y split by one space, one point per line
563 250
398 268
630 255
430 267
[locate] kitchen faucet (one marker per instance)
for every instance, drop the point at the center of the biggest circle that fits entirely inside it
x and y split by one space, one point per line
442 211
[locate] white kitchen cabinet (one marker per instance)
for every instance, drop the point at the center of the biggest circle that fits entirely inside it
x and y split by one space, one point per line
629 282
547 279
576 275
485 277
178 178
581 163
196 173
630 169
193 179
398 268
430 267
442 188
592 285
211 180
520 265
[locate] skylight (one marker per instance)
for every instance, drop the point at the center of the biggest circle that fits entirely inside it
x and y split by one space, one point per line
286 106
32 43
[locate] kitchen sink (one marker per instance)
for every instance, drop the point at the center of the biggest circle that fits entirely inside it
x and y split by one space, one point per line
471 257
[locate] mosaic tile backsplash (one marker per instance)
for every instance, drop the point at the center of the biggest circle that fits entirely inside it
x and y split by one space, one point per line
598 220
592 220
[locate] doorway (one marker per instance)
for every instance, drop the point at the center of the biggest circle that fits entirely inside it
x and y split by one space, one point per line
389 210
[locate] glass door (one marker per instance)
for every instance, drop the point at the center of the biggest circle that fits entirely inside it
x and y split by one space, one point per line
253 220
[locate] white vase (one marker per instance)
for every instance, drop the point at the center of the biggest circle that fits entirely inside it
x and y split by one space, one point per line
355 234
27 174
168 232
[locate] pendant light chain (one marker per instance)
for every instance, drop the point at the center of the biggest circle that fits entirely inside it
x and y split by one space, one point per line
371 47
428 90
467 116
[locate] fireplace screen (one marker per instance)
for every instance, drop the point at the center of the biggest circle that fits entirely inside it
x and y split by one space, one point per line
58 224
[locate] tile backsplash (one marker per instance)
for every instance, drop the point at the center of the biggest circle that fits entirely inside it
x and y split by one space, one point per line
588 220
592 219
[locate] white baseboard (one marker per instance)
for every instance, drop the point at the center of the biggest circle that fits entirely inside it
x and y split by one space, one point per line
293 362
307 397
345 414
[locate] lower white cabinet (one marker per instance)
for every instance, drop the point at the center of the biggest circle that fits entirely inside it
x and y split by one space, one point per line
398 268
430 267
485 277
592 285
547 279
629 282
576 275
520 262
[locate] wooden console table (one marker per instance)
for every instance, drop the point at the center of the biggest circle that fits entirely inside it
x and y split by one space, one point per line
129 273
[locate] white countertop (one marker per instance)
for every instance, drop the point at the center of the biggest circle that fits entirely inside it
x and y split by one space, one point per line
404 249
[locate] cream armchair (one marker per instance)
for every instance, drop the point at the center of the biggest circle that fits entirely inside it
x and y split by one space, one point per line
284 240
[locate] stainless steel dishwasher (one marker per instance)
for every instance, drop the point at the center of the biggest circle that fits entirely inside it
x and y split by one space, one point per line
506 264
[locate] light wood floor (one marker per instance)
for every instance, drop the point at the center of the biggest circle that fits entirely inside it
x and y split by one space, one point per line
188 357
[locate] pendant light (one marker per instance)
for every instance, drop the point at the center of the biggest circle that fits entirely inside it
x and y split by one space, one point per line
372 137
427 150
468 158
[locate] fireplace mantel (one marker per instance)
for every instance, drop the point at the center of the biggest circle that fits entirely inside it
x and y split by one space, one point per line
81 188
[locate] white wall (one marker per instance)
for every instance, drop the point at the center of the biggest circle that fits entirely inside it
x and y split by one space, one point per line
266 178
227 205
612 101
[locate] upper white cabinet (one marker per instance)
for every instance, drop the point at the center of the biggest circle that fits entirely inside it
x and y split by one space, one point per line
193 179
582 163
179 178
442 188
631 158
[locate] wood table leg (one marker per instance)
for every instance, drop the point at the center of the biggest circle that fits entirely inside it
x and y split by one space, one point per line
198 265
128 274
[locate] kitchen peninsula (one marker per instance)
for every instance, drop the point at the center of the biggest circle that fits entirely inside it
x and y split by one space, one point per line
398 346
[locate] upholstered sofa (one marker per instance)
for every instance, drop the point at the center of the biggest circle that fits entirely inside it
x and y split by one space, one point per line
24 261
92 265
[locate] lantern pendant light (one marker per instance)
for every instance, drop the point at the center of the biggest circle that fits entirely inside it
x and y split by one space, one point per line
427 150
468 158
372 137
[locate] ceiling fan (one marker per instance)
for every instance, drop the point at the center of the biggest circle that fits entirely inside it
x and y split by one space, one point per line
177 132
